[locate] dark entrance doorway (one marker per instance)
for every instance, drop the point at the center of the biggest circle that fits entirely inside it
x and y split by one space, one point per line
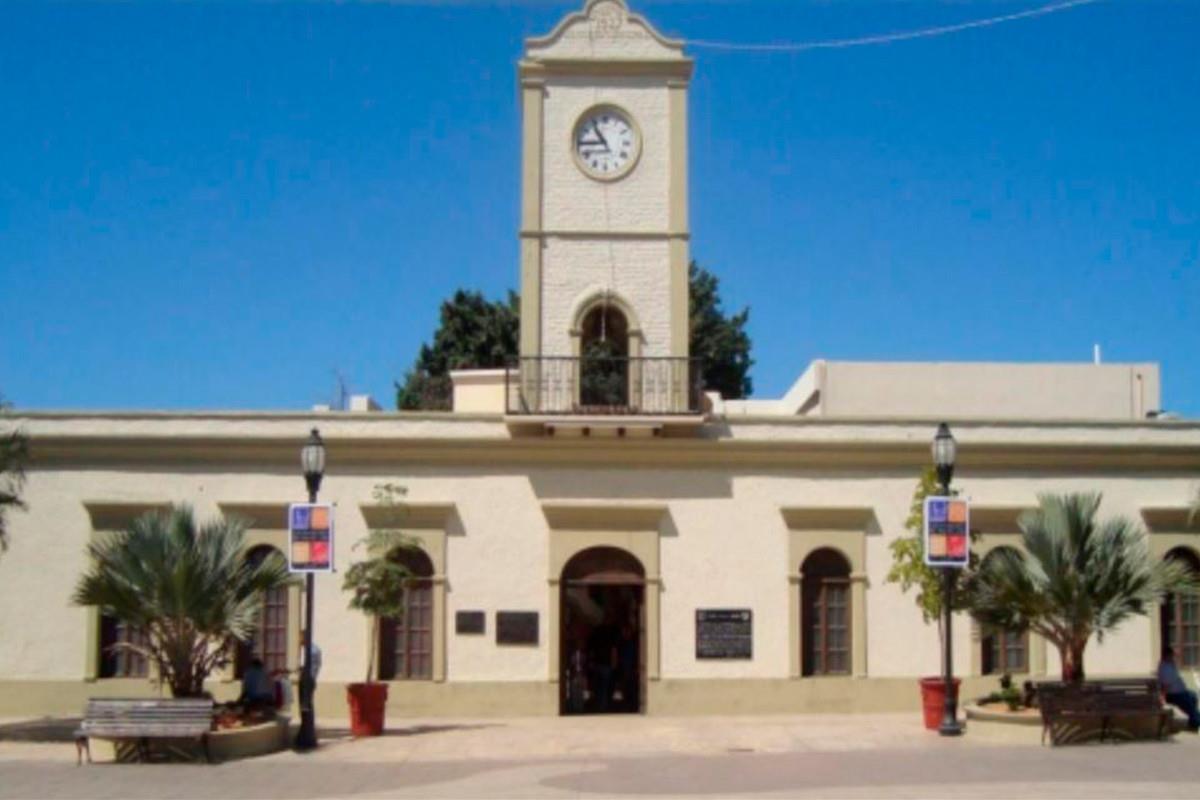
602 635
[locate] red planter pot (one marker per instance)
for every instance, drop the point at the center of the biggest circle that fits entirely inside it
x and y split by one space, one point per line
933 700
367 703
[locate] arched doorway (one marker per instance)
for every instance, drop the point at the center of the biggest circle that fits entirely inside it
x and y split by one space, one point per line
825 613
604 369
602 634
1179 617
406 644
269 642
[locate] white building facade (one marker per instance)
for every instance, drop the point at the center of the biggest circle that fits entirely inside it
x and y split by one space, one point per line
731 554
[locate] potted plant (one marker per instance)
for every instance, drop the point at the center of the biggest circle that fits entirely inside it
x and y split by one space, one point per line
910 571
376 585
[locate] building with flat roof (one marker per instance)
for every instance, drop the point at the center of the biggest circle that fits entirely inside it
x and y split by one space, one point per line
728 555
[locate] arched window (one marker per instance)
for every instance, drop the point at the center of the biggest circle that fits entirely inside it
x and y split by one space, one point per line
120 662
1003 650
825 613
270 638
604 346
406 644
1180 617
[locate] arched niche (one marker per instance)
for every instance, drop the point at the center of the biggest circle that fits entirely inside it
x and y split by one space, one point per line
826 612
842 531
406 644
1179 615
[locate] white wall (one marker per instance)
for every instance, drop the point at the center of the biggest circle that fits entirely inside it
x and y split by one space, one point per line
991 390
725 546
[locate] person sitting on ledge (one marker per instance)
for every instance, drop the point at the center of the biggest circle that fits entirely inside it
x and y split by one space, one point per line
258 691
1176 691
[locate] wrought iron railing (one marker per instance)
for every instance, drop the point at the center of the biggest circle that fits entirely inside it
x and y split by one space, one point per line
604 386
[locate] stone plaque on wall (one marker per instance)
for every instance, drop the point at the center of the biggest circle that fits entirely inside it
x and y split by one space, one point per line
724 633
516 627
469 621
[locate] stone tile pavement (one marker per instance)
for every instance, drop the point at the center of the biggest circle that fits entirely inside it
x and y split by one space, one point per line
835 756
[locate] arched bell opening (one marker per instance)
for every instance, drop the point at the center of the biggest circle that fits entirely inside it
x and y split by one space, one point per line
604 365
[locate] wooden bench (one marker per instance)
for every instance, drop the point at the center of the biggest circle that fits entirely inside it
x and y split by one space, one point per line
142 720
1070 712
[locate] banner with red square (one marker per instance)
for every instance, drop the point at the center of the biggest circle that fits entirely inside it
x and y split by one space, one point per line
947 532
310 537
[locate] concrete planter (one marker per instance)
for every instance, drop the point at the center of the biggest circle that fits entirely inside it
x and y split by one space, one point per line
228 744
250 741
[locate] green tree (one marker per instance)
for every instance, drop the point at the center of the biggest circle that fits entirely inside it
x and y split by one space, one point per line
14 451
718 339
377 583
189 587
908 557
1078 577
476 333
473 333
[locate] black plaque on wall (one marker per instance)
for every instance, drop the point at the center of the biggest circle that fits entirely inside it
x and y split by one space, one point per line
516 627
724 633
469 621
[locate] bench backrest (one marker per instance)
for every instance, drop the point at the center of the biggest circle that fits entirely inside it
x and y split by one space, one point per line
1122 694
148 717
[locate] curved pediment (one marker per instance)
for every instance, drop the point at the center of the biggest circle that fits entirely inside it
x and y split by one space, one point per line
604 30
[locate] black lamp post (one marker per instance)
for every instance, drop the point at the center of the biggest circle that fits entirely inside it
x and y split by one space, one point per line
944 451
312 460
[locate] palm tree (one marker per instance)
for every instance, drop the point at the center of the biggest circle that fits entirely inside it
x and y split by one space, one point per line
188 587
14 451
1078 576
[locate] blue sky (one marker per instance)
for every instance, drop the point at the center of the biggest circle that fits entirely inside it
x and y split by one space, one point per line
217 205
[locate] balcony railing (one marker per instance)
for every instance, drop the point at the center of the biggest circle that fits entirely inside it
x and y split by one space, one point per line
553 385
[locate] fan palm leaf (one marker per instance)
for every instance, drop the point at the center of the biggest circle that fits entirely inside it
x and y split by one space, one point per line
1078 577
189 587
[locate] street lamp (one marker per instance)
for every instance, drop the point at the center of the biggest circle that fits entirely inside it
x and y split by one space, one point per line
945 449
312 461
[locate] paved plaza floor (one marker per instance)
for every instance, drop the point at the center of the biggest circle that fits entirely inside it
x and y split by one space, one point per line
810 756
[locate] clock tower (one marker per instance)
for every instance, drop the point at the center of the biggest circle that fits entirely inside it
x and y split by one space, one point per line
604 220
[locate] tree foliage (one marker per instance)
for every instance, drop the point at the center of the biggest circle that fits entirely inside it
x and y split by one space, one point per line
188 587
14 452
1077 577
473 333
476 333
377 583
718 339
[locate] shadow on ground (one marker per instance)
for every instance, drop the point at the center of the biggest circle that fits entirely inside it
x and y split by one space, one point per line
337 733
46 729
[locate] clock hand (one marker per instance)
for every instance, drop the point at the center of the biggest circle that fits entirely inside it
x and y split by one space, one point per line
596 130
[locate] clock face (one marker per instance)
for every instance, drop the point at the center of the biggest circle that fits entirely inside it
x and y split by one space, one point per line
606 143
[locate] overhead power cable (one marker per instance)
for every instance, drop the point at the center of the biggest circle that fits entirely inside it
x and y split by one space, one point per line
887 38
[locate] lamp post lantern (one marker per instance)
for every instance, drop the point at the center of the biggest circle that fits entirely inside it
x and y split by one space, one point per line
945 449
312 461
